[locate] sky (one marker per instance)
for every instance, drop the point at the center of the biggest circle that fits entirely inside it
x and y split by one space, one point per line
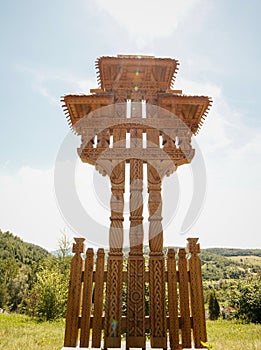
48 49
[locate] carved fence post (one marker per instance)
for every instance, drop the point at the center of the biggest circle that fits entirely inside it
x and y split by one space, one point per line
98 300
172 301
87 299
196 292
184 300
74 295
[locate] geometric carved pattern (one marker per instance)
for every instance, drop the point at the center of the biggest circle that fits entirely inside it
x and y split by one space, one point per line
113 304
158 334
135 332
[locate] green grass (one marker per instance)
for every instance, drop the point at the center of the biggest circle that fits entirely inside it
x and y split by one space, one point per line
18 332
228 335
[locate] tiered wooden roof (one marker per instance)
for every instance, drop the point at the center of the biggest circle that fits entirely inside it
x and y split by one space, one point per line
138 78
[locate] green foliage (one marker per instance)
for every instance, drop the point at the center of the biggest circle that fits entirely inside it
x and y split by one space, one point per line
245 297
12 247
19 262
50 294
213 306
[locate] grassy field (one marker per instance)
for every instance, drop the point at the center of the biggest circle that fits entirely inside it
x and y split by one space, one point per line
251 259
19 332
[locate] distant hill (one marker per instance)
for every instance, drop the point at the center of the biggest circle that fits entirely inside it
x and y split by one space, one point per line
13 247
234 251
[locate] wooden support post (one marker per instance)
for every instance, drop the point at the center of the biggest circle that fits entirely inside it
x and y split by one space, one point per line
71 337
113 308
184 300
158 335
196 292
172 301
135 333
98 300
87 299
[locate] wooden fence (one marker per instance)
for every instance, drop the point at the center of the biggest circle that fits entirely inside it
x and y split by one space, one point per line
86 310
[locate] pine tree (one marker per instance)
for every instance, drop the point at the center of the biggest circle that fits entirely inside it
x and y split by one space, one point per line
213 306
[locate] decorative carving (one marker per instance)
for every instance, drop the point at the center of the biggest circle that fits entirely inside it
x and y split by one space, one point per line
135 333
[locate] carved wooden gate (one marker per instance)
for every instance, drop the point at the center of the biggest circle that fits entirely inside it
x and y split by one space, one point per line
165 119
181 310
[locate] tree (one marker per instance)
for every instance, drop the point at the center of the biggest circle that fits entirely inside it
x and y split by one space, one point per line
245 297
49 295
213 306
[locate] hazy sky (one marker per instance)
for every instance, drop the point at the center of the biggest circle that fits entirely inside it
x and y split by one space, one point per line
49 49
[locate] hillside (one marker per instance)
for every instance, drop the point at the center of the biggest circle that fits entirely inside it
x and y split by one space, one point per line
13 247
19 262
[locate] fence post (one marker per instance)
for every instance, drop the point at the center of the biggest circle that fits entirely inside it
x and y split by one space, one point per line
74 295
196 291
172 301
98 300
184 300
87 299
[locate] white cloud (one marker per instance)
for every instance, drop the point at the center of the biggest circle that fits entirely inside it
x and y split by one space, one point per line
149 18
45 82
28 208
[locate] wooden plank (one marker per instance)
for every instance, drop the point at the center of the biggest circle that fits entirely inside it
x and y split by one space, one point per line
172 301
87 299
98 300
196 292
74 295
184 300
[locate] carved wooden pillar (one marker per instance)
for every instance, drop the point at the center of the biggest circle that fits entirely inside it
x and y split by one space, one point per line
113 310
135 336
156 260
136 264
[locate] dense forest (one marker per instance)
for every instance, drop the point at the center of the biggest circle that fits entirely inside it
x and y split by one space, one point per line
34 281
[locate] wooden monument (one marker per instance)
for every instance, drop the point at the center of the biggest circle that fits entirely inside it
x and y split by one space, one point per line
166 119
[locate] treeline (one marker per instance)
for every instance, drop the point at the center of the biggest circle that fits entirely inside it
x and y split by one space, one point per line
234 251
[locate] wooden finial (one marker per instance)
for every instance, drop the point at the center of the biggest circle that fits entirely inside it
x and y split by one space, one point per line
78 246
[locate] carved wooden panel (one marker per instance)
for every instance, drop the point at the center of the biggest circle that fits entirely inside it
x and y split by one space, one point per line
113 306
158 331
135 336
